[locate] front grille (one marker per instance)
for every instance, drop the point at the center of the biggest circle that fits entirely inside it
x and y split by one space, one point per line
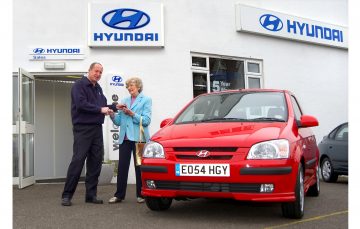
207 187
211 149
194 157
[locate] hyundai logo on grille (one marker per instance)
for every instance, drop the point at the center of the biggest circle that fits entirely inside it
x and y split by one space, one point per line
126 19
117 79
203 153
38 50
271 22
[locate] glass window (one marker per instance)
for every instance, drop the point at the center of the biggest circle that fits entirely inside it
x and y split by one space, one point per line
332 134
15 99
15 155
199 62
296 108
342 133
226 74
199 83
253 67
242 106
254 82
27 99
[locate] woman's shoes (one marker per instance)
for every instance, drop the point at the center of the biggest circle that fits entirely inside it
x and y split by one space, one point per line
114 200
140 200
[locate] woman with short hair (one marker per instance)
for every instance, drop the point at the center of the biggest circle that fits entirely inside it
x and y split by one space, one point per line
131 109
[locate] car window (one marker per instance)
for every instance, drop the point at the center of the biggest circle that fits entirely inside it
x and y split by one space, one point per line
342 134
296 108
333 133
242 106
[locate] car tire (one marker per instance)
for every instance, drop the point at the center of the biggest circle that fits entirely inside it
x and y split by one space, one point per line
158 204
327 171
295 210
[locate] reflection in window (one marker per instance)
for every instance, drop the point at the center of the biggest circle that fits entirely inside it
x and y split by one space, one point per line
254 82
342 134
226 74
199 83
253 67
199 62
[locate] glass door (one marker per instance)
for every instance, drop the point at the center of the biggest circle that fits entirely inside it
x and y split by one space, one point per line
23 128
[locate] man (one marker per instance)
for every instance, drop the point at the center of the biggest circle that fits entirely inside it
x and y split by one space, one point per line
88 110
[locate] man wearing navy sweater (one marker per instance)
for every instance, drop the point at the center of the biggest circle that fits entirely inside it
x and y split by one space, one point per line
88 110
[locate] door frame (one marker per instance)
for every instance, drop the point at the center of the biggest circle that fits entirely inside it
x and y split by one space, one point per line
24 128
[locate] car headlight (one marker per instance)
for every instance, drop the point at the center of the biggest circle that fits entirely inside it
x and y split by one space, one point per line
274 149
153 150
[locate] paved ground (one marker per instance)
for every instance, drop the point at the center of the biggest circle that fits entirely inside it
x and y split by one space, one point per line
38 206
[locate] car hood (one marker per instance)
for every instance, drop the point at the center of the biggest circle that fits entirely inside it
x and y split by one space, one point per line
218 134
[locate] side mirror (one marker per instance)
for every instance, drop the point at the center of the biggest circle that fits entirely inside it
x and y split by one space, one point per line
165 122
308 121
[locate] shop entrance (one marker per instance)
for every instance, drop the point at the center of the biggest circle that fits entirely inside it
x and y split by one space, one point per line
53 135
50 145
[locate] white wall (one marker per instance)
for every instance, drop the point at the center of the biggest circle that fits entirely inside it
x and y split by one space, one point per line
316 74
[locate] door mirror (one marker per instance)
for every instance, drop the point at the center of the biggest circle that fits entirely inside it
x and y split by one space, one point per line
308 121
165 122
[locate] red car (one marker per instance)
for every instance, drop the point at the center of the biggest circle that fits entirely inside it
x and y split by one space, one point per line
248 145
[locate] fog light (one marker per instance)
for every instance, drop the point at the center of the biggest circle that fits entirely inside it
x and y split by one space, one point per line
151 184
267 188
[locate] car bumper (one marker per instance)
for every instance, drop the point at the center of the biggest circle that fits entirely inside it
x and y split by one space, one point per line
244 183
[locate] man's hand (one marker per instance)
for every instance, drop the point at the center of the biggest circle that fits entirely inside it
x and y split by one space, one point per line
111 113
105 110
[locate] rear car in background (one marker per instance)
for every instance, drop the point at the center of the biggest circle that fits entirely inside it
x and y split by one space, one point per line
334 153
247 145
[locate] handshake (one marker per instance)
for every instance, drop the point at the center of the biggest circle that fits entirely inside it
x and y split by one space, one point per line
111 109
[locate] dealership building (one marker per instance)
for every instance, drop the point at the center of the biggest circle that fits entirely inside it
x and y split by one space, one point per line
180 49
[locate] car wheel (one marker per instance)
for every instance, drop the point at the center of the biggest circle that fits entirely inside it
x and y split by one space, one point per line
158 204
314 189
295 210
327 171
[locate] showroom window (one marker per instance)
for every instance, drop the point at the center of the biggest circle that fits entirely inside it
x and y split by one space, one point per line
212 73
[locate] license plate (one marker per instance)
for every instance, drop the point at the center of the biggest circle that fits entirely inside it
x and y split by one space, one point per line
208 170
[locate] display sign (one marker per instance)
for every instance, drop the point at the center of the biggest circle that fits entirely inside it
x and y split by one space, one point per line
56 53
126 24
266 22
115 92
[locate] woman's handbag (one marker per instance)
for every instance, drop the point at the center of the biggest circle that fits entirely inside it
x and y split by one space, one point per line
139 146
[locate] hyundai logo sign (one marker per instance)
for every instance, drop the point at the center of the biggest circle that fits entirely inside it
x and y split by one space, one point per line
126 19
271 22
203 153
38 50
116 79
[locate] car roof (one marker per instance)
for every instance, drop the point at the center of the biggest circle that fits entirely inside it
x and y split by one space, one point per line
251 90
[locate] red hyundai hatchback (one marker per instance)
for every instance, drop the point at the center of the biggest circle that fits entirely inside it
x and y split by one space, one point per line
249 145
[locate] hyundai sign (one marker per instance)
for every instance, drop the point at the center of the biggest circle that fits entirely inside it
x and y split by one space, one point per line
56 52
261 21
126 24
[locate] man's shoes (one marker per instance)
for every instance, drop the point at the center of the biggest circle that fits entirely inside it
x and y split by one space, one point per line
66 201
93 200
140 200
114 200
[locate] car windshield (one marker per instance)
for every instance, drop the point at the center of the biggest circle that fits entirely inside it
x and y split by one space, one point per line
236 107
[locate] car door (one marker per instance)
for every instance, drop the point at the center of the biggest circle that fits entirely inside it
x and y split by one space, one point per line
307 142
338 149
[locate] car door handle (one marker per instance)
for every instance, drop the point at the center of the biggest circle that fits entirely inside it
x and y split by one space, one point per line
330 147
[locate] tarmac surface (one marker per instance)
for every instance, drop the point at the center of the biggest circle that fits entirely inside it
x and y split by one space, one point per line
38 206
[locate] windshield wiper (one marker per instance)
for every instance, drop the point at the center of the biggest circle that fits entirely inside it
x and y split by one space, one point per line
223 120
267 119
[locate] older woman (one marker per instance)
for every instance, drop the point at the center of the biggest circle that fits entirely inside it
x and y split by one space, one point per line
131 109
